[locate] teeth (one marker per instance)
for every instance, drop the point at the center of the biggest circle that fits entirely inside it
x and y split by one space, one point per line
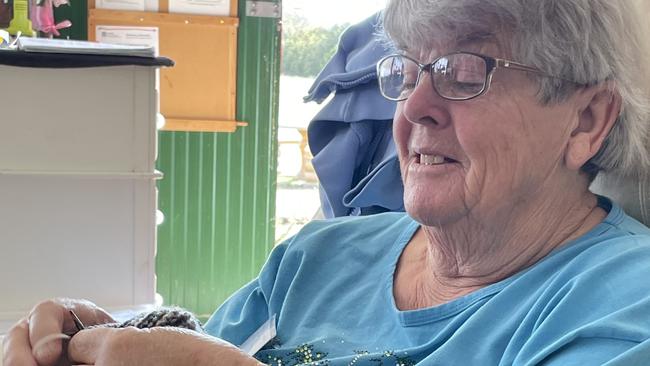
431 159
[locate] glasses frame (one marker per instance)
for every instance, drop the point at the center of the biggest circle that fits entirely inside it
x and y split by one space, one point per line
491 64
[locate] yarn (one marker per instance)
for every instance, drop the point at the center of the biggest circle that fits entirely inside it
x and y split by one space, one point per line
161 317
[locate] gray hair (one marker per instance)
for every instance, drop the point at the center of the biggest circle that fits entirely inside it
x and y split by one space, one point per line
587 41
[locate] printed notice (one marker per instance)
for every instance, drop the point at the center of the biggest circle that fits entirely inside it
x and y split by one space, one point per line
200 7
135 36
137 5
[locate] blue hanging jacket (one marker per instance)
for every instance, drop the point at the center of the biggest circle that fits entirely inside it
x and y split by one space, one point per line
351 138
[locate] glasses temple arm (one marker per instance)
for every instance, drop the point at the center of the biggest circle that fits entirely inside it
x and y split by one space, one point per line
517 66
521 67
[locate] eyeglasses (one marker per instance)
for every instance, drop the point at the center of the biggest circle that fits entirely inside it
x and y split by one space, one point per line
456 76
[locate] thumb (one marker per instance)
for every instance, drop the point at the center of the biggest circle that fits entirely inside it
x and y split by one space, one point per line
45 320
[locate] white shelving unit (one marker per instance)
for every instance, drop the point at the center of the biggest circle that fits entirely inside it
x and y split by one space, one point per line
78 197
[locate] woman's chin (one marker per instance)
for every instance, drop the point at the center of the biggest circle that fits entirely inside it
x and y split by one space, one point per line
435 210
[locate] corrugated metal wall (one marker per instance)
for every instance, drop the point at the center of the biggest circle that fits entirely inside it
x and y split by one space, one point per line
218 193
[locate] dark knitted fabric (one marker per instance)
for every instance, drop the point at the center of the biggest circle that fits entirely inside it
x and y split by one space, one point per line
161 317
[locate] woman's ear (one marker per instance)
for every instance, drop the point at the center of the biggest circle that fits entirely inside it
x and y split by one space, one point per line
599 108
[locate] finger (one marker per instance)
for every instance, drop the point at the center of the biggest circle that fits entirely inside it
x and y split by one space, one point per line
46 319
86 345
90 313
17 349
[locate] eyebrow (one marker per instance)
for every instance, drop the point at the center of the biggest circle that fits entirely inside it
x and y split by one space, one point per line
476 37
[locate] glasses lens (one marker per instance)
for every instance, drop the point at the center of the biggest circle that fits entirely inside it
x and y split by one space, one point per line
459 76
397 77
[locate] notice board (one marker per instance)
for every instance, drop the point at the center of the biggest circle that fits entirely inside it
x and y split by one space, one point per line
199 92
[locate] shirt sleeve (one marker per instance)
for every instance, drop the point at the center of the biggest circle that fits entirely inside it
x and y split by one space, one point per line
598 317
600 351
248 308
639 355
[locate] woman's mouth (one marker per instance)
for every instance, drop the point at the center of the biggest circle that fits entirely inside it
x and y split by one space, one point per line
425 159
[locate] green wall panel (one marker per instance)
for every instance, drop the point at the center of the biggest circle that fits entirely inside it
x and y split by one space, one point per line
218 192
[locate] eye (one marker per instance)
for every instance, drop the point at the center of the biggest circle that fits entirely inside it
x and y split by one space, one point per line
409 79
406 89
465 79
467 86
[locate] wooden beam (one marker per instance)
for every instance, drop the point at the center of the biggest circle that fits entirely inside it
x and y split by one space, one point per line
163 6
173 124
233 8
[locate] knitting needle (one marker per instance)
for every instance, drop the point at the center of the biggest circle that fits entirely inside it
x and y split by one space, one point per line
77 322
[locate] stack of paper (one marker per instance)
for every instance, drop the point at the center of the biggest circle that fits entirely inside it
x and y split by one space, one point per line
29 44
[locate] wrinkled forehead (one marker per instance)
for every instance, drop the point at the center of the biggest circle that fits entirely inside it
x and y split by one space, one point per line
482 43
417 25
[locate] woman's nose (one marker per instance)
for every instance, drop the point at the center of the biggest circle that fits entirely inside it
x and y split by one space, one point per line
424 105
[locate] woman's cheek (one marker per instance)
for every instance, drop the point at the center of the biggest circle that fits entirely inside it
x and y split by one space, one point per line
401 133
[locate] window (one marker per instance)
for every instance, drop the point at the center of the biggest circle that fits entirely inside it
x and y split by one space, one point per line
310 35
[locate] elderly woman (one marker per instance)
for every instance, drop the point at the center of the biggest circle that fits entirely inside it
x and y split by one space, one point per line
507 110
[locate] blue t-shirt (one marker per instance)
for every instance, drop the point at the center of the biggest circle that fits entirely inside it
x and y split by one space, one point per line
330 287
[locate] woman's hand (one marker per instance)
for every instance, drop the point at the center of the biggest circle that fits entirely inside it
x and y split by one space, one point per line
154 346
47 318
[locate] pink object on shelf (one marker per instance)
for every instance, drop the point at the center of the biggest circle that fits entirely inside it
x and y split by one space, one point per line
42 17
